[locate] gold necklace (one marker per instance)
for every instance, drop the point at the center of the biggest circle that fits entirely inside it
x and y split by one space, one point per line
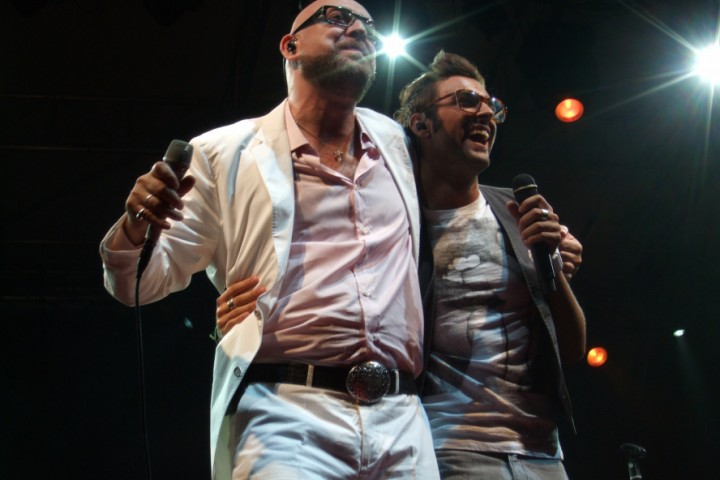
339 152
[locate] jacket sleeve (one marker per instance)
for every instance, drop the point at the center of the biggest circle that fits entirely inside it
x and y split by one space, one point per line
186 248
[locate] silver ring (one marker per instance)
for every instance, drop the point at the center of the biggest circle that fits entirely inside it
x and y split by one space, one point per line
545 213
231 303
148 198
140 214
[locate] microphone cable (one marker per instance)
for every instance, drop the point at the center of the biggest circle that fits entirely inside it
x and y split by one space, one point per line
141 377
178 157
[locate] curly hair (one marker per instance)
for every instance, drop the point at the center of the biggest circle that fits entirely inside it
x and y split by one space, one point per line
418 94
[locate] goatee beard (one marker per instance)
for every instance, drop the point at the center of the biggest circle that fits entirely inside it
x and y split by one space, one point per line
331 73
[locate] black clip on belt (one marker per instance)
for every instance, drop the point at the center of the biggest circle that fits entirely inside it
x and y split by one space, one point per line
366 382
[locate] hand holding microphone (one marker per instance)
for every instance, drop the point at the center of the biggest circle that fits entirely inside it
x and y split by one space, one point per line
156 196
539 227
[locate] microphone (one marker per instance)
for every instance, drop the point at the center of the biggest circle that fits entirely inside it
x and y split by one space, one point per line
177 156
634 453
524 187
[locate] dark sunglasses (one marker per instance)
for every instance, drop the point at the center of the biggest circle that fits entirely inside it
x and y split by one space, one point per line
342 17
471 101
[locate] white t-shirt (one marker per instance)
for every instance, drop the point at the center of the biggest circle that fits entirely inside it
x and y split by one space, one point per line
479 393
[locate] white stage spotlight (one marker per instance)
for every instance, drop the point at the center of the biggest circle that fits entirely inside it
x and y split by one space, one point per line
707 64
394 45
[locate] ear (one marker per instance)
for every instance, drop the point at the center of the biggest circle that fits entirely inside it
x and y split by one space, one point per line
419 125
288 47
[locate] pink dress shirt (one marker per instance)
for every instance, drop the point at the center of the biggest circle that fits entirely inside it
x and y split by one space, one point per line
351 292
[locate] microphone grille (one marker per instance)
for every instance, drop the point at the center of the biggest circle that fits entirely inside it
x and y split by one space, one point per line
179 153
523 187
523 180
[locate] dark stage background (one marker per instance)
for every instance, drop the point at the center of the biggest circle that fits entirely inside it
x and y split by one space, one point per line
91 93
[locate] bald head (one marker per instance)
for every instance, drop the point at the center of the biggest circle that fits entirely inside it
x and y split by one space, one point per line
313 7
339 59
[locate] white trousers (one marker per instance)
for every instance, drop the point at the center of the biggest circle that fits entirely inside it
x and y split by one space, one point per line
288 432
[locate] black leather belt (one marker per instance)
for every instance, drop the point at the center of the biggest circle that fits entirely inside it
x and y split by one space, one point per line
366 382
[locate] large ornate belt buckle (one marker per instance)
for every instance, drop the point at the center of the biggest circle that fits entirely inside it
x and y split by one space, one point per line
368 382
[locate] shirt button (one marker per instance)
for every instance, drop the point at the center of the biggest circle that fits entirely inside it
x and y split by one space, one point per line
365 230
237 372
366 293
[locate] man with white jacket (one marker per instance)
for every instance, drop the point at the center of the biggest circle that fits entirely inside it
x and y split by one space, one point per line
316 199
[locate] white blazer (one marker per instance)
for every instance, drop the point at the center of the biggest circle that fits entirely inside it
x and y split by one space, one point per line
238 222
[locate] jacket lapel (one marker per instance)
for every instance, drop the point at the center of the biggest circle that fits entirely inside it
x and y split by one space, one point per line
392 143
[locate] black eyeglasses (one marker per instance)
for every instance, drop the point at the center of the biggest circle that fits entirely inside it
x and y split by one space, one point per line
471 101
342 17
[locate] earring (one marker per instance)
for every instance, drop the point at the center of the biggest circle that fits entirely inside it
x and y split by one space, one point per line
291 47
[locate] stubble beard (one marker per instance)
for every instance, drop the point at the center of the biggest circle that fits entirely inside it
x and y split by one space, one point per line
333 73
469 160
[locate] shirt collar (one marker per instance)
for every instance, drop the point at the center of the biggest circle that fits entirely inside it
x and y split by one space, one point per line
297 139
295 136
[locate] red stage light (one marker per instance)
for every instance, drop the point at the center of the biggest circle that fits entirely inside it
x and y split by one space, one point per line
597 356
569 110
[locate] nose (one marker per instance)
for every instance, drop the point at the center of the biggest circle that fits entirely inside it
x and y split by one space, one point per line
485 110
358 31
484 113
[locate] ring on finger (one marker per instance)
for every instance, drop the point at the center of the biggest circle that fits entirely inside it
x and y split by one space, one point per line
545 213
148 198
140 214
231 303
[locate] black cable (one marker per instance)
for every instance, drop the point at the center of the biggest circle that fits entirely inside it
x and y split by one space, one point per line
177 157
141 377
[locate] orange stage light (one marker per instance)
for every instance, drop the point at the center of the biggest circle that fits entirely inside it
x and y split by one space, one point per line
569 110
597 356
